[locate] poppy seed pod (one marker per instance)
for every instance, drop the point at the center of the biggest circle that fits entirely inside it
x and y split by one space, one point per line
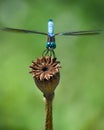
46 74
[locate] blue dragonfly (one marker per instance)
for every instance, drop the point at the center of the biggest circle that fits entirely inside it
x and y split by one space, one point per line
51 44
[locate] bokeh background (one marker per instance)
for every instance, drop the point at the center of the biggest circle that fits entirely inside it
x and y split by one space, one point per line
79 98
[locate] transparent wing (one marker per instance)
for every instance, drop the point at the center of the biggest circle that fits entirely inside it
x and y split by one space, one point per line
78 33
21 30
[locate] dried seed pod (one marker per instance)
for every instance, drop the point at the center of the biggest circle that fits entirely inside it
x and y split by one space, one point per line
46 74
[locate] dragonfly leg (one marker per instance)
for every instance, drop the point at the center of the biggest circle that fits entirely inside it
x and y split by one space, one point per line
45 52
49 52
53 54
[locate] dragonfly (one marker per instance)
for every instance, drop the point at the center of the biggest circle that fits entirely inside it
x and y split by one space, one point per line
51 44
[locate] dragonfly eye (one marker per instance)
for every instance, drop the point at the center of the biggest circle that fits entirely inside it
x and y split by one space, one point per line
50 45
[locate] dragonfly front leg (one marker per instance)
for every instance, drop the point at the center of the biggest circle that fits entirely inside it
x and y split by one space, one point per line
49 52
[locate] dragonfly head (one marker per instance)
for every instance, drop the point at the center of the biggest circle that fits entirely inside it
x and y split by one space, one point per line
50 28
51 45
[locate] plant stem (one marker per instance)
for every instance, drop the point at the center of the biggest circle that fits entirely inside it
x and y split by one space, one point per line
48 106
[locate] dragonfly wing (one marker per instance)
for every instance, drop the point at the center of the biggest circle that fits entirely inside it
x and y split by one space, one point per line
21 30
78 33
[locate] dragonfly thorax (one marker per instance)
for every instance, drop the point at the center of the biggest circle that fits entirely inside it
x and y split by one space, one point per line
51 43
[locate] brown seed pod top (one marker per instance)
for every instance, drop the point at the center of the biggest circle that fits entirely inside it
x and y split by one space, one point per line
45 68
46 74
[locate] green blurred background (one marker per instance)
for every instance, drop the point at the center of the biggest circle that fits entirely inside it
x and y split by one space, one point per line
79 98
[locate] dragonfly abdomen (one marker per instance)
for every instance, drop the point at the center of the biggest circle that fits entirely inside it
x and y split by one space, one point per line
50 27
